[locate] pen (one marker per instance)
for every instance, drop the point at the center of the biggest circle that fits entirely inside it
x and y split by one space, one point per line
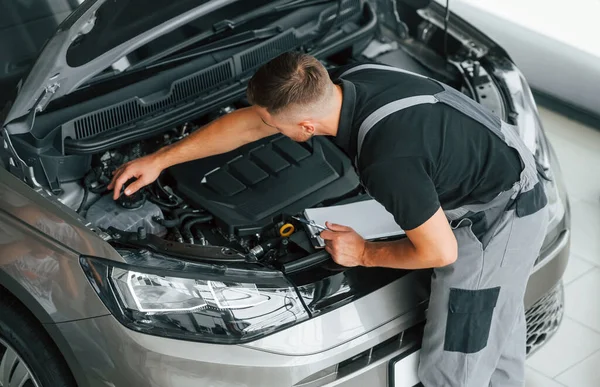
310 223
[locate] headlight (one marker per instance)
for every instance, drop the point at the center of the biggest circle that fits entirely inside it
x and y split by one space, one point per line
553 185
212 303
532 133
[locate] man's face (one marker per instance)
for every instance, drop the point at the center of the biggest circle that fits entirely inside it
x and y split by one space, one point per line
298 131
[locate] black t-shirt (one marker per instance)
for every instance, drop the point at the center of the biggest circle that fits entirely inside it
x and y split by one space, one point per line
423 157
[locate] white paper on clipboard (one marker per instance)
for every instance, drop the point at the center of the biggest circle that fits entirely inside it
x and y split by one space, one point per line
368 218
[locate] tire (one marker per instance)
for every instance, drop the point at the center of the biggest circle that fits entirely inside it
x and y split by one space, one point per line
35 351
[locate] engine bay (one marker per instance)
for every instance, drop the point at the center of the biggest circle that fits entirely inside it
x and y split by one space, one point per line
244 199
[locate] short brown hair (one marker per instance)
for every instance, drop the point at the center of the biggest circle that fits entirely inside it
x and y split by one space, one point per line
292 78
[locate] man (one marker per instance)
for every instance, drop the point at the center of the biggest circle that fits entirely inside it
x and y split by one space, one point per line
458 180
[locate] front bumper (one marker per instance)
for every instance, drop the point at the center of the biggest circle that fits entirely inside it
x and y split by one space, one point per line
350 346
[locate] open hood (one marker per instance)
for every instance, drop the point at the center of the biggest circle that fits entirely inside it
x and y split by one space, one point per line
92 38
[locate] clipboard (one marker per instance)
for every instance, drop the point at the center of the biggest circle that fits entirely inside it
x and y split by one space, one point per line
368 218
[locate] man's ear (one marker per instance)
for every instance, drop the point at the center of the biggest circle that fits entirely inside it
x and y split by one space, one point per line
308 127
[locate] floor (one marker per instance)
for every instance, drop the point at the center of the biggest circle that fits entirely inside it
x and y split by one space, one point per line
572 357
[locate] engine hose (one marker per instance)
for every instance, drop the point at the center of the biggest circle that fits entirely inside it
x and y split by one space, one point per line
169 195
161 204
199 235
86 193
177 234
99 189
179 220
177 212
187 227
89 178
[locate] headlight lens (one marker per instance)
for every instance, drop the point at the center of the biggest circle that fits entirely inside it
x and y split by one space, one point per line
547 160
151 293
219 306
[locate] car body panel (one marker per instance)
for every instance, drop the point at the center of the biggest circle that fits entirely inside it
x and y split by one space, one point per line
43 212
44 274
39 255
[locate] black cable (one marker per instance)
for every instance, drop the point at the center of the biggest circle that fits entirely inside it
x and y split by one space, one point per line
86 192
446 18
289 280
161 204
88 180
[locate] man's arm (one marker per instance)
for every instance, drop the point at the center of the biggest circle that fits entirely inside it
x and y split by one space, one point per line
432 244
224 134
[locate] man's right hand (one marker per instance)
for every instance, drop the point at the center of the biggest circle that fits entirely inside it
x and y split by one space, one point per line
145 170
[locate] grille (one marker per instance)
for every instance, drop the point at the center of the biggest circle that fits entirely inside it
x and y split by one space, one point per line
410 337
133 110
544 317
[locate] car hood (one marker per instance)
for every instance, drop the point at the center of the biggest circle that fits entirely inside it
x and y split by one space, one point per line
60 69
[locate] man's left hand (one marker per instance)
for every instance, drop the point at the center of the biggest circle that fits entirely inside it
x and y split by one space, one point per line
346 247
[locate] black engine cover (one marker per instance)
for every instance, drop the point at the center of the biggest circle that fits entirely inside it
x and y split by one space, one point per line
247 188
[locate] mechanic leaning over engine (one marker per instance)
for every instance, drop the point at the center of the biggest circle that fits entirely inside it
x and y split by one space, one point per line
457 179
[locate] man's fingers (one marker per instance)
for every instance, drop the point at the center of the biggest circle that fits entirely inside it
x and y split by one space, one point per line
327 235
337 227
329 249
134 187
121 179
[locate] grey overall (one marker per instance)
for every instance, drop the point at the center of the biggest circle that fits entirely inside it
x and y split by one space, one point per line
475 330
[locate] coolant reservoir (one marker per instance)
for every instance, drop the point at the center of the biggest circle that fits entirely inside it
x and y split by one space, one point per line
107 213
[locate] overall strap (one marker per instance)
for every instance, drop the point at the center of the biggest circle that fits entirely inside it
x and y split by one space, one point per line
389 108
384 111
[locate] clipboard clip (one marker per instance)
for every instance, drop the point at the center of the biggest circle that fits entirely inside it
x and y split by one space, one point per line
310 223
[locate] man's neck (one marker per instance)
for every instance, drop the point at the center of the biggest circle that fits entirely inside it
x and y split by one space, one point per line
332 121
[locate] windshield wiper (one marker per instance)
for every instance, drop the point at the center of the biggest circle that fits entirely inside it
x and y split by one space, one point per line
260 12
228 24
229 42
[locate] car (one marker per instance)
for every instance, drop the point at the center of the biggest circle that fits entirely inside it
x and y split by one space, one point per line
570 56
204 278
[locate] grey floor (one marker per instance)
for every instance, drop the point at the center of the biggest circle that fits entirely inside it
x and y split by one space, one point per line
572 357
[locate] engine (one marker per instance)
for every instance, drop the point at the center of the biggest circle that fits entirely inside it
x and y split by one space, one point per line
240 199
247 190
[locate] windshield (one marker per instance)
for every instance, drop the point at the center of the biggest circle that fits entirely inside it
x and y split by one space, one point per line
24 28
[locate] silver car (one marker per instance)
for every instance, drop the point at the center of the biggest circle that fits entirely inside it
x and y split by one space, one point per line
205 278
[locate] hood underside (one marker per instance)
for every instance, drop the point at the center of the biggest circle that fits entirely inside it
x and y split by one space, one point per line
92 38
